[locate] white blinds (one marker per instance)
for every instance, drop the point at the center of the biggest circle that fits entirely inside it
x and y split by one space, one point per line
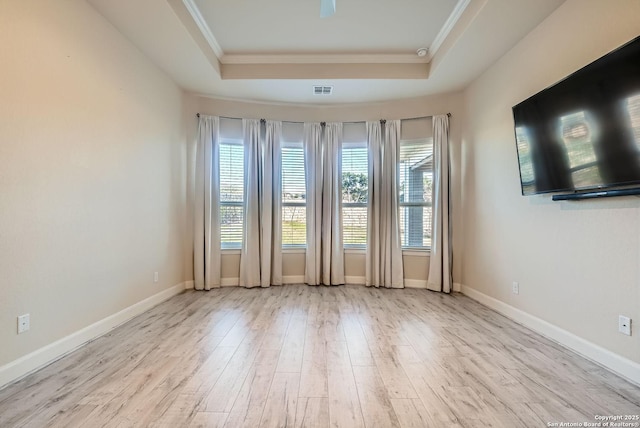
294 219
415 172
231 193
414 180
355 185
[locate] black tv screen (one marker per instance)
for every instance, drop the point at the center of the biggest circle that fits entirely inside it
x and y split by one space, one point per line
583 133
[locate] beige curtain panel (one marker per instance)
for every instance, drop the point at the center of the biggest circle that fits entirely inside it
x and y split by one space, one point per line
440 259
206 251
325 255
261 254
383 266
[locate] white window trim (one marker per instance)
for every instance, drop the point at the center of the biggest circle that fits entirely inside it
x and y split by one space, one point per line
231 251
352 249
416 252
292 249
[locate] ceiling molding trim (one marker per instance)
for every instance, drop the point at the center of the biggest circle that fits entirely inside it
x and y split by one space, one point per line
324 59
312 105
184 16
451 21
325 71
194 11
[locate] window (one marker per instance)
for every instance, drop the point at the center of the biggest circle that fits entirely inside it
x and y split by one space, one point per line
355 185
415 172
231 193
294 199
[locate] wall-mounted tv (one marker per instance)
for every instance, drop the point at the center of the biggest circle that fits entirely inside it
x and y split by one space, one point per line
583 133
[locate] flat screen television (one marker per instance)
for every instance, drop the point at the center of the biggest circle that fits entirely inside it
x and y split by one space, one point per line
583 133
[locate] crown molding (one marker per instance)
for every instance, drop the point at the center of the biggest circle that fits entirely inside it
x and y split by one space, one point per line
194 11
184 15
451 21
325 71
383 58
325 65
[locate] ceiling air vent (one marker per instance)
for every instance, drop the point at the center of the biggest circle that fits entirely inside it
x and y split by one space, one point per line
322 90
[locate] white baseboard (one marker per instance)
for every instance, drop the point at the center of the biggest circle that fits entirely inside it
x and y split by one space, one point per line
39 358
355 280
457 287
224 282
233 282
229 282
415 283
408 283
293 279
617 363
299 279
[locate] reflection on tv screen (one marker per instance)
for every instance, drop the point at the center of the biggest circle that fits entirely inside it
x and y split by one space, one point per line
584 132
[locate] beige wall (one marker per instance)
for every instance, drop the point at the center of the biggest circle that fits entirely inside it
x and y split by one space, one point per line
577 262
416 267
92 176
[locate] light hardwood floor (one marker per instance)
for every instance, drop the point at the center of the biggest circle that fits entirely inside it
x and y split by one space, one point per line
304 356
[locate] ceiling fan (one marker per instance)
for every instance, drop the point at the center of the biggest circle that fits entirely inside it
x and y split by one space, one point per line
327 8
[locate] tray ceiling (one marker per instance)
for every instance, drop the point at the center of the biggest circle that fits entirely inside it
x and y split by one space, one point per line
277 50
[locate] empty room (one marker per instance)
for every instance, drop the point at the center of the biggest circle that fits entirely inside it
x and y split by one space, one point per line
319 213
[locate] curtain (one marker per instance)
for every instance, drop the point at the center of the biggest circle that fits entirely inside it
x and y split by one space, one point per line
383 266
324 256
207 254
440 264
261 254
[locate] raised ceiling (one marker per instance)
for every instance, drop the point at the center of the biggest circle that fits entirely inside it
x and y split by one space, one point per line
276 50
295 26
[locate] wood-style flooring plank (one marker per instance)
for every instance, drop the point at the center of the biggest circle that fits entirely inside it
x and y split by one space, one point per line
317 357
208 420
280 408
344 404
312 413
377 410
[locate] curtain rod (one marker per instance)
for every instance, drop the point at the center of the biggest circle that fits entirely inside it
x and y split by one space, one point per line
323 123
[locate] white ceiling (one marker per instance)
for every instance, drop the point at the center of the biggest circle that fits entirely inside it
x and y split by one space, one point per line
276 50
358 26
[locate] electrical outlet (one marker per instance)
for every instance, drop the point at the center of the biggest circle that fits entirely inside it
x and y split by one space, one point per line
515 287
24 323
155 277
624 325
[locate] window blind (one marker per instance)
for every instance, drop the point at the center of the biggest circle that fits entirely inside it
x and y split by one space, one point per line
231 193
294 212
355 185
415 172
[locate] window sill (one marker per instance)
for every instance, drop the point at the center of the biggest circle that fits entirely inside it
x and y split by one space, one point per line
231 251
294 250
355 250
416 252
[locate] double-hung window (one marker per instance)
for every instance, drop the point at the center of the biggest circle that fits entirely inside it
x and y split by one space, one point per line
355 187
294 199
415 171
231 193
